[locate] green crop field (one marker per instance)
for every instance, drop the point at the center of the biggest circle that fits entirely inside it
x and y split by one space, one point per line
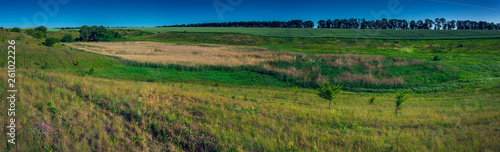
338 33
114 99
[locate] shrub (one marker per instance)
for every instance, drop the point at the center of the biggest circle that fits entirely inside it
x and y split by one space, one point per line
328 92
42 29
372 100
68 38
50 41
16 29
30 32
437 58
39 35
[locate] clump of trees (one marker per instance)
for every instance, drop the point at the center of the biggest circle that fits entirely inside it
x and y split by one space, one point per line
16 29
38 32
96 34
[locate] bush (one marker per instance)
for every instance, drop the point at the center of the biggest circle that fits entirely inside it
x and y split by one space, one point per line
43 29
50 41
67 38
30 32
437 58
39 35
16 29
372 100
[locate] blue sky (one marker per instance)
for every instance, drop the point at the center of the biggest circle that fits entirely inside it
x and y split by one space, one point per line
148 13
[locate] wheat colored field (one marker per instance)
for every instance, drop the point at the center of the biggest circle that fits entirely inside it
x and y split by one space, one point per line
185 54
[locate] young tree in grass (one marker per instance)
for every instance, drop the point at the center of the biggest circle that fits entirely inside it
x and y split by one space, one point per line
328 92
400 98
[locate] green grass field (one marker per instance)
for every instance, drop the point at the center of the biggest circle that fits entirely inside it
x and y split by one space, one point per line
338 33
125 105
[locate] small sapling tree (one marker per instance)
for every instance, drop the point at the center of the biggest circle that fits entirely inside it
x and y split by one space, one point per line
296 90
400 98
328 92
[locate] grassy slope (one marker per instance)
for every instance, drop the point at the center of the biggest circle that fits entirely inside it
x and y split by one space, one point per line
101 114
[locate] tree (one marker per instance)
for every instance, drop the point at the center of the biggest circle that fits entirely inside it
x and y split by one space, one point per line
41 28
16 29
438 24
329 23
68 38
328 92
400 98
443 21
321 24
50 41
39 35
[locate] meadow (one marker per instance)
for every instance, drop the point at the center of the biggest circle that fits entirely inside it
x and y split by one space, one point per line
236 92
337 33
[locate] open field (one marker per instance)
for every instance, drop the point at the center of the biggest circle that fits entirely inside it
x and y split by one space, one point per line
338 33
235 92
350 71
185 54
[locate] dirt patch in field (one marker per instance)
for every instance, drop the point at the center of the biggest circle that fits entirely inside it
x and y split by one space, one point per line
186 54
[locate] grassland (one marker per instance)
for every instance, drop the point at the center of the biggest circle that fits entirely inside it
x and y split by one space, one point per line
338 33
131 105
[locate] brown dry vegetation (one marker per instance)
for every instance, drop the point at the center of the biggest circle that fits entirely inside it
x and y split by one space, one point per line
169 53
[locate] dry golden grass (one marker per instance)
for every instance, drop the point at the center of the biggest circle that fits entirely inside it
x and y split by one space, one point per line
185 54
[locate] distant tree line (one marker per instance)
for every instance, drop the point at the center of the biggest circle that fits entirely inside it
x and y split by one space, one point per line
266 24
427 24
106 27
352 23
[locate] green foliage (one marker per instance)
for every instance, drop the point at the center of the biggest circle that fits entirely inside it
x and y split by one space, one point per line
43 29
39 35
437 58
400 98
82 72
68 38
296 90
16 29
328 92
372 100
51 106
51 41
30 32
95 34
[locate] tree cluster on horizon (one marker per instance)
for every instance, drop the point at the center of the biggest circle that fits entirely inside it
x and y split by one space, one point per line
266 24
352 23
